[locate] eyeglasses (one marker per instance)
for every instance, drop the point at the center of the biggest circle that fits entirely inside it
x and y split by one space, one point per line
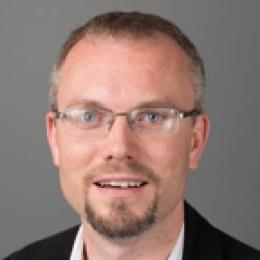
148 121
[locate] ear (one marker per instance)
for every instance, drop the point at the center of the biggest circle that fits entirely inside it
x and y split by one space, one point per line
200 135
51 131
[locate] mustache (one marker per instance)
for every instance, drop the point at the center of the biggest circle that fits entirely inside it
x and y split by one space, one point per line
132 168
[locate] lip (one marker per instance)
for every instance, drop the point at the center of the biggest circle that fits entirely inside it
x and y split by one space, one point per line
119 192
120 177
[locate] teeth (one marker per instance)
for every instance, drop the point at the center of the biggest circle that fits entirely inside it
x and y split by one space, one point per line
120 184
123 184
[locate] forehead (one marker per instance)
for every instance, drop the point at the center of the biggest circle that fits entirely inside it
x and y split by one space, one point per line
124 71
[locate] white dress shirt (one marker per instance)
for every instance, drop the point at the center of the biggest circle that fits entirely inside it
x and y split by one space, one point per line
77 250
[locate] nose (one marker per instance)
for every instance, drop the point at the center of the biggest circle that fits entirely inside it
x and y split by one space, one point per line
120 143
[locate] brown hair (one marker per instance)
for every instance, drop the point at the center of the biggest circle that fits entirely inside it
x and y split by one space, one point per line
137 25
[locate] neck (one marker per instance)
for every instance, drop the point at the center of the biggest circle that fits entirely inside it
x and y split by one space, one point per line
155 243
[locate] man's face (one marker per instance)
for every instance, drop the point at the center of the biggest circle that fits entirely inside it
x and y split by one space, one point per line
120 74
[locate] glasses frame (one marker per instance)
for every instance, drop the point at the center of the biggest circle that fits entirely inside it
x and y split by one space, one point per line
180 114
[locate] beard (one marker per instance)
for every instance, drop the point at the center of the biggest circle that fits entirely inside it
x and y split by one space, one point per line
121 222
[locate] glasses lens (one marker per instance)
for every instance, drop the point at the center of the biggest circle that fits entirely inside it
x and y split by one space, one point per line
85 119
155 119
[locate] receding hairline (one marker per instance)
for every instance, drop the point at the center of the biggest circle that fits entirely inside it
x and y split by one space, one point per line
157 38
122 25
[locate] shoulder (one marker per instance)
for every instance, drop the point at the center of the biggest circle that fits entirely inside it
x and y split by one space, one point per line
57 246
204 241
235 249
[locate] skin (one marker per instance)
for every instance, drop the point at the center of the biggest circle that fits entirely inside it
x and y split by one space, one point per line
121 73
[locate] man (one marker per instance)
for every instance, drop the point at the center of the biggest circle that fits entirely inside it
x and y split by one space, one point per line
127 123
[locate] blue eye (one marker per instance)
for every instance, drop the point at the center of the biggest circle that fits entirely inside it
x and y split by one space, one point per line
89 117
153 117
150 117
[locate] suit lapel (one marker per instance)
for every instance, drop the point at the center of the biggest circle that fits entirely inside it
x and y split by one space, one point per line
59 248
201 241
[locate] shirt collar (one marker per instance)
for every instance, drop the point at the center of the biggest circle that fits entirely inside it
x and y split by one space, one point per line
177 251
77 250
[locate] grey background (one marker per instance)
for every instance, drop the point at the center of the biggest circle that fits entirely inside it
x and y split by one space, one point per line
225 188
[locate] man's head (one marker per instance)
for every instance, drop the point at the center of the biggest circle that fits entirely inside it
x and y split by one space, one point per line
119 131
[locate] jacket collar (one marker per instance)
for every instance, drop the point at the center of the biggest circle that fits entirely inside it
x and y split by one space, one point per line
201 241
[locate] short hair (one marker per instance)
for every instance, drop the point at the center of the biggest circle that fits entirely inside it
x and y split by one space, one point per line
137 25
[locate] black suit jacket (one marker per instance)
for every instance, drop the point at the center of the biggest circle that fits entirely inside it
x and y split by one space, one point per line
201 242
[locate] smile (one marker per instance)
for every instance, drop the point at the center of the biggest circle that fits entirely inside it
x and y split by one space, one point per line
120 184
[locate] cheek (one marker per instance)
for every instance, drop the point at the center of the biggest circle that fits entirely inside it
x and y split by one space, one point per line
173 168
75 159
170 161
71 185
169 155
75 153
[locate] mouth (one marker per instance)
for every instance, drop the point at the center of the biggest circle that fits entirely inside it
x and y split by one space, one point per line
120 184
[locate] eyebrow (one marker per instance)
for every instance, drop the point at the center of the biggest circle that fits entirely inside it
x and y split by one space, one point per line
155 104
86 103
